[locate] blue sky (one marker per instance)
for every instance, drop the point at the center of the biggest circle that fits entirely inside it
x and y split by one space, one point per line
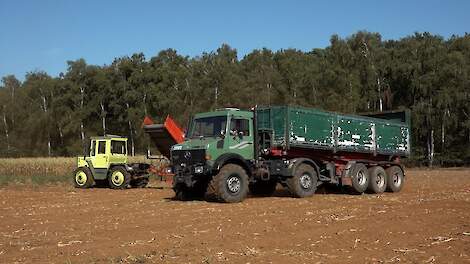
43 35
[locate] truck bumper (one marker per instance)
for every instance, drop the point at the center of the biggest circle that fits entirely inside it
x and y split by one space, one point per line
191 175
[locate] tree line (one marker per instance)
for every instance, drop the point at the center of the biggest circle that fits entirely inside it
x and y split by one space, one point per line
54 116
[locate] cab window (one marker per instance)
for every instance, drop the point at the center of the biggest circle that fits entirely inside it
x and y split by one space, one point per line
92 148
240 125
118 147
101 147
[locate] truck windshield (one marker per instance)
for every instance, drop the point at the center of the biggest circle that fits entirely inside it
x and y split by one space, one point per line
208 126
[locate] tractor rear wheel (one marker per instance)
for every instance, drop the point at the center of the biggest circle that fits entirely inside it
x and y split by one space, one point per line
82 178
119 178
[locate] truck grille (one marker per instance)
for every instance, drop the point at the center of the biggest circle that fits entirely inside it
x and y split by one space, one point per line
187 157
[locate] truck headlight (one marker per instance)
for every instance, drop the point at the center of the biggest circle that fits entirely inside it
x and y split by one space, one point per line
198 169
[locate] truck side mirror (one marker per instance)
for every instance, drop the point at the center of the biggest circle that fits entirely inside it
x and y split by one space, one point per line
222 134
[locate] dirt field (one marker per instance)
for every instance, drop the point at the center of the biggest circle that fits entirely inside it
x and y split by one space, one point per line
428 222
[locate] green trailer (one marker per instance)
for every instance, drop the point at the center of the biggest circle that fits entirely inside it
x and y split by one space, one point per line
371 135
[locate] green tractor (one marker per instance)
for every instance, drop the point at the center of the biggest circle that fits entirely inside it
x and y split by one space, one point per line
107 165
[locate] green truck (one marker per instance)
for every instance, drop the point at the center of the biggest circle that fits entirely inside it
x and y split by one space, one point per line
229 152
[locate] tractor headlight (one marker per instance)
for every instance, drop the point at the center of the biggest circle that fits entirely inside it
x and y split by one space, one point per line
198 169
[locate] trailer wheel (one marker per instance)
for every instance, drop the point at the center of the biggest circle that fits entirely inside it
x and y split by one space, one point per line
304 181
377 179
230 185
395 179
119 178
263 188
360 178
82 178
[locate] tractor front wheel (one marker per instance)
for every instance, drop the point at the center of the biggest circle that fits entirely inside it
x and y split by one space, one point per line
82 178
119 178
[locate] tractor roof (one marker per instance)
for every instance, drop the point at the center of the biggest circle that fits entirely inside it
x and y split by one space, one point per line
109 137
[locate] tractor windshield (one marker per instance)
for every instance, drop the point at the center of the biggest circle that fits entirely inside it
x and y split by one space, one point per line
208 127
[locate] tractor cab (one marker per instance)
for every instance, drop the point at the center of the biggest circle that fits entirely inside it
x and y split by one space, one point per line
104 152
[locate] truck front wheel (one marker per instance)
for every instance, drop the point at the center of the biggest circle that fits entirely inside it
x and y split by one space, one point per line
304 181
230 185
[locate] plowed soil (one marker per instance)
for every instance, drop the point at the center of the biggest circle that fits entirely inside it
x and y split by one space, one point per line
427 222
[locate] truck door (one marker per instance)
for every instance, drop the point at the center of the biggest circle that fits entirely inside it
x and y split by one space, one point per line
101 158
240 137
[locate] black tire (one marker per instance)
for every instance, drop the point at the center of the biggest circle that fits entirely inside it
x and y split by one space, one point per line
140 183
118 178
263 188
360 178
83 178
377 179
230 185
395 179
304 182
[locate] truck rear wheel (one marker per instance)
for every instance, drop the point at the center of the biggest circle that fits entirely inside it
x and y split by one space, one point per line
360 178
230 185
82 178
395 179
304 181
263 188
377 179
119 178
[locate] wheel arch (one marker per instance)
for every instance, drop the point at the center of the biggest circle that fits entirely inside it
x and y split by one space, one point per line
294 164
231 158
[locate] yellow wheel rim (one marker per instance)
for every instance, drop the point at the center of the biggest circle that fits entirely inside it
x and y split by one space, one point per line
117 178
80 178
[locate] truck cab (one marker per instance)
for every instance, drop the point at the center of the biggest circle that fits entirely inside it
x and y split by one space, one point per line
213 140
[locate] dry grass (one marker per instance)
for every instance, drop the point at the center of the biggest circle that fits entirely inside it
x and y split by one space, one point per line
41 170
